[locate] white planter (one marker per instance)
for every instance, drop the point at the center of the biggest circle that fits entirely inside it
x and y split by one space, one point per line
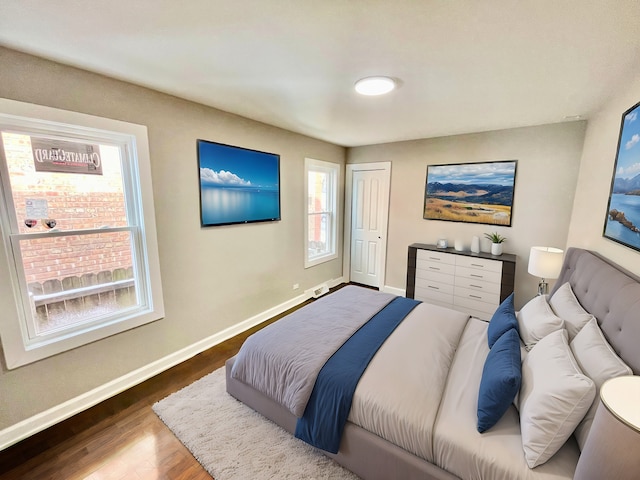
496 249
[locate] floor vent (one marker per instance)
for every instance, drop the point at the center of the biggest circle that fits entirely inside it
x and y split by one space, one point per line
320 290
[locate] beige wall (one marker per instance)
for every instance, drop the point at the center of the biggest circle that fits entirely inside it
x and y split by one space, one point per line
548 164
594 182
213 278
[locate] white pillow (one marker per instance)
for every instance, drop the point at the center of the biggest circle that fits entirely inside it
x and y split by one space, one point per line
554 397
536 320
599 362
565 305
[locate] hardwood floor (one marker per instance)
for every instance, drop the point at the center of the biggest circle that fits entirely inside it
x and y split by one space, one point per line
121 438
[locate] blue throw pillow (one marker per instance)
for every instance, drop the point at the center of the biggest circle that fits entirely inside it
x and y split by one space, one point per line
501 378
503 320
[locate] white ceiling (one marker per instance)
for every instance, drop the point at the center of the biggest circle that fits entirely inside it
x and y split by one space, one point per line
463 65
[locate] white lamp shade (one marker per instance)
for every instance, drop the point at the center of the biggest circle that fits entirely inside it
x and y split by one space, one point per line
545 262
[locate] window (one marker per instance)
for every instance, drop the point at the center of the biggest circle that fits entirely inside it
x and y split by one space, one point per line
78 228
322 221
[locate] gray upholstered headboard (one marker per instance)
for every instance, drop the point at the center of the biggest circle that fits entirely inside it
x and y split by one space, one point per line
611 294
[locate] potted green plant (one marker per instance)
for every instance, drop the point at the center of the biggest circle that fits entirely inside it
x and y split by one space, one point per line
496 242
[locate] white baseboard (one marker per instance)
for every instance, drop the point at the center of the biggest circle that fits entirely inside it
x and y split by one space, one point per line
46 419
393 290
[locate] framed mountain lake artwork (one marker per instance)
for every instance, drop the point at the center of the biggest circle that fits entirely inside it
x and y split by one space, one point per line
622 222
471 192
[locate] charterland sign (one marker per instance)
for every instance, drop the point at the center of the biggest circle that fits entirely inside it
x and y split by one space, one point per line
65 157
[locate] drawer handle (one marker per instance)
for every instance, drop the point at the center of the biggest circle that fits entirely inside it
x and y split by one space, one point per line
477 265
434 258
475 296
475 286
477 276
434 268
434 288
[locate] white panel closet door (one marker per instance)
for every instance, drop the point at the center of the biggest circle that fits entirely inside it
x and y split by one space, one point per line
370 193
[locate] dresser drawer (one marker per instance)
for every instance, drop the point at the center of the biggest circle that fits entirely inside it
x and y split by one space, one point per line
435 301
486 316
434 286
433 295
435 256
431 266
471 304
475 295
475 274
477 285
435 276
479 263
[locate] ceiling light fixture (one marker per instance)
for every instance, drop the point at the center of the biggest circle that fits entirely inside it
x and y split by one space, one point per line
375 85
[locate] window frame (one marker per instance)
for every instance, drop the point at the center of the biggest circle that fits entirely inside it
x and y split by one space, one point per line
333 169
20 347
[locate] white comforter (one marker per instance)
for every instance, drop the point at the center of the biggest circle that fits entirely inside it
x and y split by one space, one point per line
496 454
398 396
420 392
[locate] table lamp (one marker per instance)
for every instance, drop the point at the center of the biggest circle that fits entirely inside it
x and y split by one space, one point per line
612 449
545 262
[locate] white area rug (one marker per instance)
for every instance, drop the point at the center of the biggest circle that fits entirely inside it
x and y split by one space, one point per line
232 442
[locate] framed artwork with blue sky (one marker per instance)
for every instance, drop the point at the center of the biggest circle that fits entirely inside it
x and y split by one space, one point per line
471 192
237 185
622 222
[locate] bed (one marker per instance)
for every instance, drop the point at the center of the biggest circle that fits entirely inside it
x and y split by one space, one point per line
416 411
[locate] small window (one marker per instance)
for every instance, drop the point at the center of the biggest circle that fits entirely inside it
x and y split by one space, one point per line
322 221
82 251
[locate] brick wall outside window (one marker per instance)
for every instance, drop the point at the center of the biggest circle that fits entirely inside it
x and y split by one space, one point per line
74 205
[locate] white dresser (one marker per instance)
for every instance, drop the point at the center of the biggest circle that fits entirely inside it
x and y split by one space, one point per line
471 283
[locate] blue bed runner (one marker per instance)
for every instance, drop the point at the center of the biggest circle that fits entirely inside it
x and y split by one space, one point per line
328 408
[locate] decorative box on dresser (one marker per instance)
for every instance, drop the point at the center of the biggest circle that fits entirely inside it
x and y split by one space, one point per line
473 283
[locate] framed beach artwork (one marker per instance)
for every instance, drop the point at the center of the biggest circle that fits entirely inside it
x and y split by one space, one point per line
471 192
237 185
622 222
